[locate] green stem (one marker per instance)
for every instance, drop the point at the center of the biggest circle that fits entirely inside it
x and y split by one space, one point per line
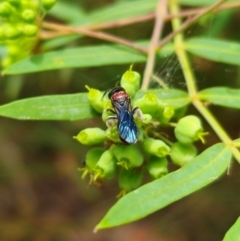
191 84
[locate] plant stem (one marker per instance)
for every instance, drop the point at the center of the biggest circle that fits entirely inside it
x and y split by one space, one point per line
190 81
188 23
160 13
90 33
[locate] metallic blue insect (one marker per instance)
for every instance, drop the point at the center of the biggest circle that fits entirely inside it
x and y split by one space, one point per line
121 102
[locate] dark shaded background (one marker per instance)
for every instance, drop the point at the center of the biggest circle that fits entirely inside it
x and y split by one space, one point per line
42 195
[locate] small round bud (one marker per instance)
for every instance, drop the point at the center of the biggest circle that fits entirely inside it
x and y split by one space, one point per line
92 157
130 81
189 129
157 166
112 134
5 9
11 32
156 147
28 15
166 114
128 156
30 30
182 153
95 98
48 4
106 166
149 104
91 136
129 180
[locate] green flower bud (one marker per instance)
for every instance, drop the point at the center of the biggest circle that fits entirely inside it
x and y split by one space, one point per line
95 98
5 9
35 5
28 15
112 134
182 153
166 114
106 166
30 30
128 156
189 129
157 166
91 136
48 4
11 32
156 147
93 156
130 81
91 161
146 118
129 180
148 104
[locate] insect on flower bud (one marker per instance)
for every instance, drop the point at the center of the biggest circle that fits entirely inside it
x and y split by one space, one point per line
129 180
182 153
91 136
189 129
130 81
157 166
128 156
156 147
95 98
106 166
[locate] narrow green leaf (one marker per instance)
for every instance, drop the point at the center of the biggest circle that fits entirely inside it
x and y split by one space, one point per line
173 97
233 234
81 57
217 50
53 107
204 169
68 11
222 96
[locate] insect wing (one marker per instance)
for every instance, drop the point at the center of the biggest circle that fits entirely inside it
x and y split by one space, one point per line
127 129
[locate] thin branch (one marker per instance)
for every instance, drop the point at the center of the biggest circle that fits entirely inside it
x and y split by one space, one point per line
160 13
188 23
151 16
90 33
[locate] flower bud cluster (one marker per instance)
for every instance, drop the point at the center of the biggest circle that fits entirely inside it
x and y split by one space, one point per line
19 27
152 152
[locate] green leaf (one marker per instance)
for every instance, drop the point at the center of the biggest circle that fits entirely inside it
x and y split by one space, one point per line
204 169
68 11
222 96
233 234
173 97
53 107
81 57
217 50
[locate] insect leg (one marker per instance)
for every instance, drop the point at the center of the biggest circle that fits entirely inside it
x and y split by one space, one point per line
138 113
111 121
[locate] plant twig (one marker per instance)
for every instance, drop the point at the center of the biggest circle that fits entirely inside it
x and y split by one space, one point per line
188 23
90 33
161 11
190 81
151 16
